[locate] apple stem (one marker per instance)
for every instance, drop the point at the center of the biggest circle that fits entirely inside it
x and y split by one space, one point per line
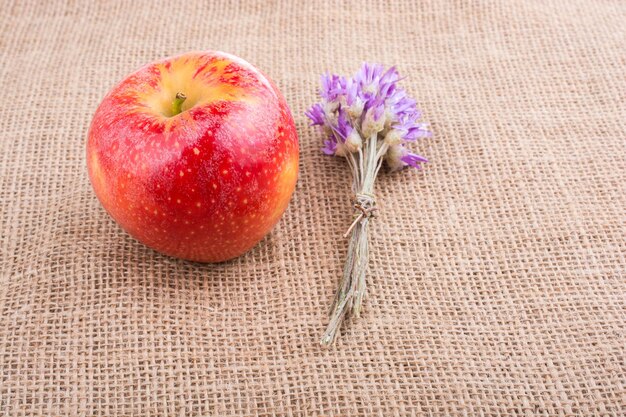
177 104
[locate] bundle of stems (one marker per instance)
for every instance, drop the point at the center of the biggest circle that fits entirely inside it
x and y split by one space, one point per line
365 165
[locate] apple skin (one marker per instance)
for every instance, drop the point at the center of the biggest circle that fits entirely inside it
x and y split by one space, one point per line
206 184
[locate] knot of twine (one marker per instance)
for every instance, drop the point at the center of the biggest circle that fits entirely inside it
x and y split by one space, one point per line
366 205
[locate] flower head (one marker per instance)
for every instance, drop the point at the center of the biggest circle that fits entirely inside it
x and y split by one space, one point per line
373 120
343 127
330 146
316 114
398 157
331 87
354 100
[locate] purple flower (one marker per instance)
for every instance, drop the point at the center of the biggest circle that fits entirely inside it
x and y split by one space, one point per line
413 160
419 130
343 128
368 77
373 121
316 114
401 105
376 108
330 146
409 130
331 86
351 91
353 98
373 82
340 132
398 157
368 73
390 76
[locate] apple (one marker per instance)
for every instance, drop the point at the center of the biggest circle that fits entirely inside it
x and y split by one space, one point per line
195 156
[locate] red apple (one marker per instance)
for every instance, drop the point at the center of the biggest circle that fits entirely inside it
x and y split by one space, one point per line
196 156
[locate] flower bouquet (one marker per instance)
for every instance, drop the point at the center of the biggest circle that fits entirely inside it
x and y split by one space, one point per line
366 119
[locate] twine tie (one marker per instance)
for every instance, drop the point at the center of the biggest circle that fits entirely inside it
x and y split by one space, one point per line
366 205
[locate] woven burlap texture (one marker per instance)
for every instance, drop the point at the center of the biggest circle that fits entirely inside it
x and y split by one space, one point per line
497 275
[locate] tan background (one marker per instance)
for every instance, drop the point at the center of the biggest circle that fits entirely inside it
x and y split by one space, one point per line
497 282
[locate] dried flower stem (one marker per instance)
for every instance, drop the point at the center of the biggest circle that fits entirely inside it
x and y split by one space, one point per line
365 166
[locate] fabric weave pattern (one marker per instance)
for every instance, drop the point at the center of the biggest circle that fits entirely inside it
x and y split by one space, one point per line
497 275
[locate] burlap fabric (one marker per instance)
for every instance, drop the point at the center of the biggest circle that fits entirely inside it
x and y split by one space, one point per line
497 284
